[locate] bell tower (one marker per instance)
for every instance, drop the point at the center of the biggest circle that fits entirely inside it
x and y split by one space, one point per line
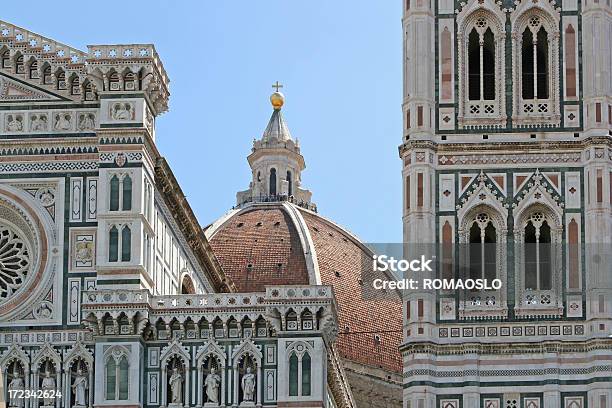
276 162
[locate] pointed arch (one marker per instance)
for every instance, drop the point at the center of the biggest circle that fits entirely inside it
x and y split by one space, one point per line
535 40
481 40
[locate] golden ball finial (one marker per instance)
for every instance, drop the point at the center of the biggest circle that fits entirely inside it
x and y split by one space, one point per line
277 99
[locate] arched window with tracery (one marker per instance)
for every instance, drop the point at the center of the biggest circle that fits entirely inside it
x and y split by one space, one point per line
119 243
482 248
116 375
538 252
536 58
300 372
120 192
481 68
481 64
538 267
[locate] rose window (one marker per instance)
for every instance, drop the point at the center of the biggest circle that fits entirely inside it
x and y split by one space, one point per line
15 262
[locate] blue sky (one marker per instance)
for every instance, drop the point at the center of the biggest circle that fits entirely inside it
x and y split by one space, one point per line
340 62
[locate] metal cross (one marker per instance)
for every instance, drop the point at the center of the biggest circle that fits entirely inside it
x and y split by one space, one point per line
277 85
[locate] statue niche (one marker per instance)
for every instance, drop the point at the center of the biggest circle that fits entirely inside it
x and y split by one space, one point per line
16 384
212 382
47 383
176 382
79 384
248 387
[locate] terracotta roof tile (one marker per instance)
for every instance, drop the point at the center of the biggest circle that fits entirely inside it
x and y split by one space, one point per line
373 320
259 248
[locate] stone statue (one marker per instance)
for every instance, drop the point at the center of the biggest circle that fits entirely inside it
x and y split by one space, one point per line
48 384
39 122
212 386
16 385
14 124
122 111
176 387
87 122
62 122
79 388
248 386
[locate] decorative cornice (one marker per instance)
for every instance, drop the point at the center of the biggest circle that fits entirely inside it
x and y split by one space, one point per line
505 348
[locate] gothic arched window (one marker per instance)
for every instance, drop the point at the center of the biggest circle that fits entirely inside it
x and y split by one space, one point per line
119 243
482 248
114 193
534 56
126 187
116 379
538 254
126 244
120 193
113 244
481 65
272 181
481 69
293 375
300 373
535 81
306 374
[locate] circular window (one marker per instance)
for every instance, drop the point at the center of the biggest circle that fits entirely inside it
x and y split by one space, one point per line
15 261
24 252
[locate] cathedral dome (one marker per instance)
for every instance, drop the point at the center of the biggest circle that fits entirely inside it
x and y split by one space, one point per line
281 243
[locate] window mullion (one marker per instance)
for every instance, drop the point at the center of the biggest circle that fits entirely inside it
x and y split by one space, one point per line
537 257
119 242
535 66
482 252
117 381
299 376
481 56
120 204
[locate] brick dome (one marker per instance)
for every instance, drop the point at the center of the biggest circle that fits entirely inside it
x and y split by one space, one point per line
265 244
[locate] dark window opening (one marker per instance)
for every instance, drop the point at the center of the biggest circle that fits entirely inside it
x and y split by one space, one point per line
273 182
527 64
474 66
